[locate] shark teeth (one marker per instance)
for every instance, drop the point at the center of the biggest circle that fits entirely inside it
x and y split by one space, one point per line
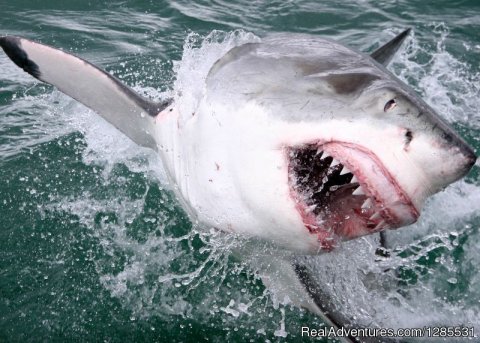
334 163
367 204
322 180
358 191
345 170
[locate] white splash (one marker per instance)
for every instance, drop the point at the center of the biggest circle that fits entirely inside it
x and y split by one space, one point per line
448 84
199 55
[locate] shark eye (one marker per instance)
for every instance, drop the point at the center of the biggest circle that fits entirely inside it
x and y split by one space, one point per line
390 105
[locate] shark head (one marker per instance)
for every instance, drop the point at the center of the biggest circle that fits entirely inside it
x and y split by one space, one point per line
374 162
314 144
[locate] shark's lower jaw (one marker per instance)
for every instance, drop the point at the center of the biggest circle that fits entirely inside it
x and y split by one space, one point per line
343 191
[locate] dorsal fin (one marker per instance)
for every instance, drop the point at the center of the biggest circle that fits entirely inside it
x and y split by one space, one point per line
385 53
102 92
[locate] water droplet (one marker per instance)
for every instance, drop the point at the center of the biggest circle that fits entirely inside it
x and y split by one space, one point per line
452 280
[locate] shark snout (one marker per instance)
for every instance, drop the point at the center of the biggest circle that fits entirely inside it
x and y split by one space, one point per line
464 151
441 157
450 157
470 158
464 155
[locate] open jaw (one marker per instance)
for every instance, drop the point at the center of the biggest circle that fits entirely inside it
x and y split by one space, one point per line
343 191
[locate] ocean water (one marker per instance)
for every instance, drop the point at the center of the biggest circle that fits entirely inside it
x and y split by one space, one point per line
93 244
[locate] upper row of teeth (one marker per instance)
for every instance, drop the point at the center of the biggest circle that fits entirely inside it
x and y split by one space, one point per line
368 203
344 169
359 191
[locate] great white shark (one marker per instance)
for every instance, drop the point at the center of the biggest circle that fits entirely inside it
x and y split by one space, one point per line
295 139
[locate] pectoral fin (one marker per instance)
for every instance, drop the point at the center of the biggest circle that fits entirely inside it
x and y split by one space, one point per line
129 112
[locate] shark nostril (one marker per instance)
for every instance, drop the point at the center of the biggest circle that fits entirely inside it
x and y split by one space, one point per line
408 136
448 137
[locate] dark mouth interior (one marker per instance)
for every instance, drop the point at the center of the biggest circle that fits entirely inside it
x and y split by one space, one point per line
318 181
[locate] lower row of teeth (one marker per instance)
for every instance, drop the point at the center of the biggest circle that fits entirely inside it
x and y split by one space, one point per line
368 203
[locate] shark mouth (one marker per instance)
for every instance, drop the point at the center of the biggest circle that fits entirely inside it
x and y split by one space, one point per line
343 191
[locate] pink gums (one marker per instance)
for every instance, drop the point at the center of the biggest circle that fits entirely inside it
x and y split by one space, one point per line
348 220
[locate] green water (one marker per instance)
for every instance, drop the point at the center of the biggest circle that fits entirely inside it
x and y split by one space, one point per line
94 247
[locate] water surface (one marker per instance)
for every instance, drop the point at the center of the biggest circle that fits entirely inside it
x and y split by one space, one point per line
94 246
